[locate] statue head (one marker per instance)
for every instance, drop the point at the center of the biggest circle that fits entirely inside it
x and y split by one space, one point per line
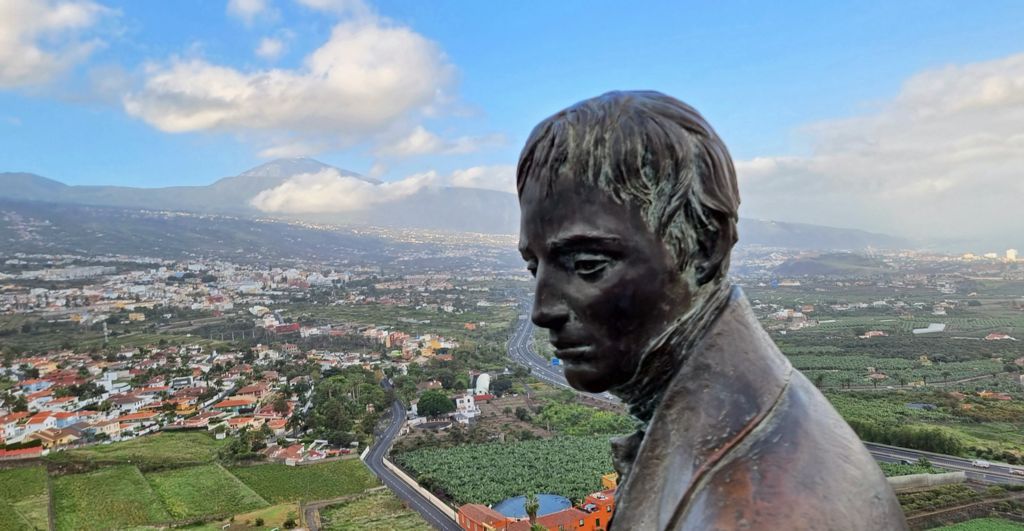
629 207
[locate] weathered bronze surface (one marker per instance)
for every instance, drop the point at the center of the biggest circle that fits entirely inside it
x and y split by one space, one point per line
629 207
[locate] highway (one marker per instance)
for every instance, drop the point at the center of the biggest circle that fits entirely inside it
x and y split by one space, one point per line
520 350
375 461
998 473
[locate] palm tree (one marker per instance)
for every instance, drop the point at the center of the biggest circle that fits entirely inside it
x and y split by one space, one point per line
945 376
532 505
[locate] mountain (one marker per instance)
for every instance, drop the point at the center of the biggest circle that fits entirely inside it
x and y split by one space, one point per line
803 236
433 207
834 264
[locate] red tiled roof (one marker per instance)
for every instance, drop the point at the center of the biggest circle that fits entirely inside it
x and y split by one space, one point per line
567 518
482 514
24 452
142 415
234 402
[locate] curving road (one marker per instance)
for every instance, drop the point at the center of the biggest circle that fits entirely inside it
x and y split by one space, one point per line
520 349
375 461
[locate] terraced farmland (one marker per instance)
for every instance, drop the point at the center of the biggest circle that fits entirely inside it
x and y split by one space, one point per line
110 498
489 473
203 490
23 498
282 483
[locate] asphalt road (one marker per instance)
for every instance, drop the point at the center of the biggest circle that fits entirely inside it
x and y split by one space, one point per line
375 461
998 473
520 350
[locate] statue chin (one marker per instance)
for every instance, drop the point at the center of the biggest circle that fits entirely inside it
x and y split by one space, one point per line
585 377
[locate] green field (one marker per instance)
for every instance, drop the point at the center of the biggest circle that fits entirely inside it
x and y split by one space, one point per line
984 524
110 498
23 498
489 473
160 449
379 510
839 370
897 469
990 429
203 490
281 483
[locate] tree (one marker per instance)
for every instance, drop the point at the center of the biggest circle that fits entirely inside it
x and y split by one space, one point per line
532 505
434 404
281 405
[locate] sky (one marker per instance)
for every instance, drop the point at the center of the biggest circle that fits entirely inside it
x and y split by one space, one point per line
897 117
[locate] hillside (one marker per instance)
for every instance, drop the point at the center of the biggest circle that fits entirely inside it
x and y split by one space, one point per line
443 208
833 264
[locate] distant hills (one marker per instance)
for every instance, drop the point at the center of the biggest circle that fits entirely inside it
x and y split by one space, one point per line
834 264
437 208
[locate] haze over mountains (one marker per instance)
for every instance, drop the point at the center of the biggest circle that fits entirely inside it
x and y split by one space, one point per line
431 206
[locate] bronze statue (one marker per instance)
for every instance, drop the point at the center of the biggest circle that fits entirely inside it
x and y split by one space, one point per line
629 207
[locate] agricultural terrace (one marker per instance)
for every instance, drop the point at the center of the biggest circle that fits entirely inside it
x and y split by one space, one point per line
110 498
983 524
275 516
23 498
897 469
965 425
203 490
378 510
488 473
152 451
829 370
280 483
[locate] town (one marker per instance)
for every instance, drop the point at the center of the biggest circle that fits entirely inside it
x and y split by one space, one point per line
299 365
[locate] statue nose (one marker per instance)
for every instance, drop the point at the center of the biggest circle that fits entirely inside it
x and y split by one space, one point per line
549 308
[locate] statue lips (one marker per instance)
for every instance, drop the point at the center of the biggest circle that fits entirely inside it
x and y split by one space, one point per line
572 353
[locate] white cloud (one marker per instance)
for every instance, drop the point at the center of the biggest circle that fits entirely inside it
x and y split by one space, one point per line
942 159
353 7
423 142
501 178
39 38
368 78
329 191
247 10
270 48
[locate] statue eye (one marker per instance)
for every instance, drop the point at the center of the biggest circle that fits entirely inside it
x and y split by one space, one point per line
589 265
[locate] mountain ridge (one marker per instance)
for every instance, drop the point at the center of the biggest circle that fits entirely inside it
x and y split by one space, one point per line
445 208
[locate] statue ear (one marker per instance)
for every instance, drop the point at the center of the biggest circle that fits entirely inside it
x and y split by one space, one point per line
714 248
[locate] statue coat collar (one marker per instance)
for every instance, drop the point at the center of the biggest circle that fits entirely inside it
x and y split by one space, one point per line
727 389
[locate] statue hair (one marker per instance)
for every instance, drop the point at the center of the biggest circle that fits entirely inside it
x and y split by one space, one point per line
650 151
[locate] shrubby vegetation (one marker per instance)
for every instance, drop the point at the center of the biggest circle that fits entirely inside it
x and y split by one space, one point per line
340 412
937 498
576 419
380 510
922 466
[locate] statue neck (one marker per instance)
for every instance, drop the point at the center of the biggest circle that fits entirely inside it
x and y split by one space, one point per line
665 355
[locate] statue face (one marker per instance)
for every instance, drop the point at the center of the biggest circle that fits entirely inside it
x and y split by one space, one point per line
606 285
